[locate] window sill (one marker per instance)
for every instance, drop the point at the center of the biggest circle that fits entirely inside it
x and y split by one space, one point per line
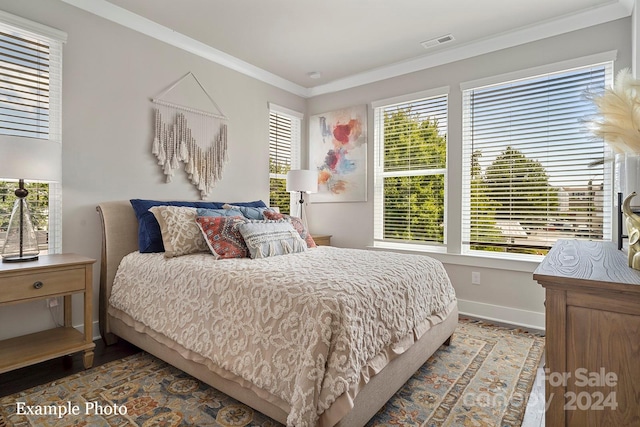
470 260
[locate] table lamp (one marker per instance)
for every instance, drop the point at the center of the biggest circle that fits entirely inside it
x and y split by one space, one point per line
29 159
302 181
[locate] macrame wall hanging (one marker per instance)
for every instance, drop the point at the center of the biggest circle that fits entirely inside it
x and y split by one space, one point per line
191 136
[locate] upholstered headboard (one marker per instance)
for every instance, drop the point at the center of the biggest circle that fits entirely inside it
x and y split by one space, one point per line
119 238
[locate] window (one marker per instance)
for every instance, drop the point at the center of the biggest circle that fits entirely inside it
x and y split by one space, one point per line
410 168
530 167
284 153
30 107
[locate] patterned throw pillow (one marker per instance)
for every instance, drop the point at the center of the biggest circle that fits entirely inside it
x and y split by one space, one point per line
222 236
249 212
297 224
180 233
220 212
271 238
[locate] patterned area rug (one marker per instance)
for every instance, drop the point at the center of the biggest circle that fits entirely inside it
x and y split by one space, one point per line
482 379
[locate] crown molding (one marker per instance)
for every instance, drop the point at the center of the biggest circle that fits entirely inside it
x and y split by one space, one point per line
588 18
594 16
33 27
629 4
128 19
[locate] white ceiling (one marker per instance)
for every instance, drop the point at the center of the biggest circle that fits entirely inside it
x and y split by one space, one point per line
350 42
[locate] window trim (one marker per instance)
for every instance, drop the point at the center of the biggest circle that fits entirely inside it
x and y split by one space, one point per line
378 167
567 65
37 29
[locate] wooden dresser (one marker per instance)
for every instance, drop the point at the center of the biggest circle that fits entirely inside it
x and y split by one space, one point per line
592 367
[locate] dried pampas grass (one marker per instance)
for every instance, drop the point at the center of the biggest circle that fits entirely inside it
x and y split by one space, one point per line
619 121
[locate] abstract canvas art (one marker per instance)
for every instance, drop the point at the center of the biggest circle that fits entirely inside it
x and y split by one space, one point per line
338 151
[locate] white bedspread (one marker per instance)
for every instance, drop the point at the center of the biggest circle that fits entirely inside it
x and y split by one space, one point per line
305 327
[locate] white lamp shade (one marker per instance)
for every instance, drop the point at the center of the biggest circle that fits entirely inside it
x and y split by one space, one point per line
30 159
305 181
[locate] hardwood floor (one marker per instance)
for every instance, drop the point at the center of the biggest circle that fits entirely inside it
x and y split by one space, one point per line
42 373
534 416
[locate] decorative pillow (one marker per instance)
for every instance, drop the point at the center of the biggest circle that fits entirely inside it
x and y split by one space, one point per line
254 204
222 212
271 238
297 224
222 236
180 233
249 212
149 236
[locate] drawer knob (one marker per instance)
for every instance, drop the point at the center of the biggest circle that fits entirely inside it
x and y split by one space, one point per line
38 284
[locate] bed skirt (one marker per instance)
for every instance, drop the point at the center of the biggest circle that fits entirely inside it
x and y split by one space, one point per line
380 387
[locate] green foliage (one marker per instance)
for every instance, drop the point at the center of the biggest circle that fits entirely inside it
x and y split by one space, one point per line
408 137
414 205
38 202
415 154
278 194
530 194
414 208
528 201
483 210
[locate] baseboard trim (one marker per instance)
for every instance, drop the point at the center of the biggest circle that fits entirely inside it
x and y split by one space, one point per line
498 313
95 329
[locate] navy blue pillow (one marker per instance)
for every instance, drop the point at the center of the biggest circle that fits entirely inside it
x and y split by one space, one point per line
149 235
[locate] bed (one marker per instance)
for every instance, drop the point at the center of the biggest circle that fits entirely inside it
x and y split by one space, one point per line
335 367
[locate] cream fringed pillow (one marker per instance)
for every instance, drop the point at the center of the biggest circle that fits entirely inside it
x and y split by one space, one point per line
297 224
180 232
271 238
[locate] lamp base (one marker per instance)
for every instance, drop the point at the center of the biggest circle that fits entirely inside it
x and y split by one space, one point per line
303 212
21 241
18 258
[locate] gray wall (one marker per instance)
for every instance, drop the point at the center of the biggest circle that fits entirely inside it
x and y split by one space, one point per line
109 75
111 72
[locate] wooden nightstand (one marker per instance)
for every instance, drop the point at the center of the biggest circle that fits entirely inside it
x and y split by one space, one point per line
48 277
322 239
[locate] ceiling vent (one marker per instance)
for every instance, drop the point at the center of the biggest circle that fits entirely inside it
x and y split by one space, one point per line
437 41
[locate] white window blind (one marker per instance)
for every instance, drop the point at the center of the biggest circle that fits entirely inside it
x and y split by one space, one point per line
529 171
24 86
30 107
410 170
284 153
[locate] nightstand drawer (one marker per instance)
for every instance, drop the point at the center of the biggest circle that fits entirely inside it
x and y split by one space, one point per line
41 284
322 239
